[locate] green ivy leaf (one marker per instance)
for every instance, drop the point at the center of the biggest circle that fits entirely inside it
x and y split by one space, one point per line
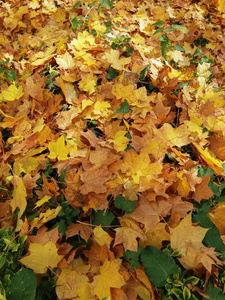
127 205
124 108
103 217
112 73
158 265
23 285
133 257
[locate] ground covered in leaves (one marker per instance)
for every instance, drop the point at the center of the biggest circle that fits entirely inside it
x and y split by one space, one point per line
112 144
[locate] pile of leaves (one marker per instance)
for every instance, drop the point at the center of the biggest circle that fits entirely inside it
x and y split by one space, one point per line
112 145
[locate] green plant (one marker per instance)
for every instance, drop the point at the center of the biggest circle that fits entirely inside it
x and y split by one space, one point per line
11 249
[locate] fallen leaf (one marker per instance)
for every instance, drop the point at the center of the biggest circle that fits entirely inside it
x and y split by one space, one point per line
48 254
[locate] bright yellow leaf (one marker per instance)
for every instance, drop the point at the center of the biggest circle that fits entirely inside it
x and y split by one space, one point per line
42 201
13 93
109 277
116 62
138 165
88 83
42 257
19 198
58 149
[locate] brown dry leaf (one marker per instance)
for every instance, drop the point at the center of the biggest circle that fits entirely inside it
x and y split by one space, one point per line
202 191
84 230
144 213
94 180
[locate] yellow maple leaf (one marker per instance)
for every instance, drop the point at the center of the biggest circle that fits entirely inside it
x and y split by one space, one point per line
65 61
13 93
88 83
185 233
19 198
41 257
138 165
58 149
45 217
109 277
116 62
188 238
83 41
99 28
178 136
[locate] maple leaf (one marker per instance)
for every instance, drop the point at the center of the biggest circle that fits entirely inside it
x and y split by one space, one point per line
210 158
186 233
146 214
58 149
73 281
65 61
12 93
109 277
101 237
188 238
48 254
128 237
178 136
156 236
88 83
116 62
94 180
139 165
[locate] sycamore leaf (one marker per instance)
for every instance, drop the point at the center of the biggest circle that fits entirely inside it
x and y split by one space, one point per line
109 277
47 253
42 201
88 83
58 149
